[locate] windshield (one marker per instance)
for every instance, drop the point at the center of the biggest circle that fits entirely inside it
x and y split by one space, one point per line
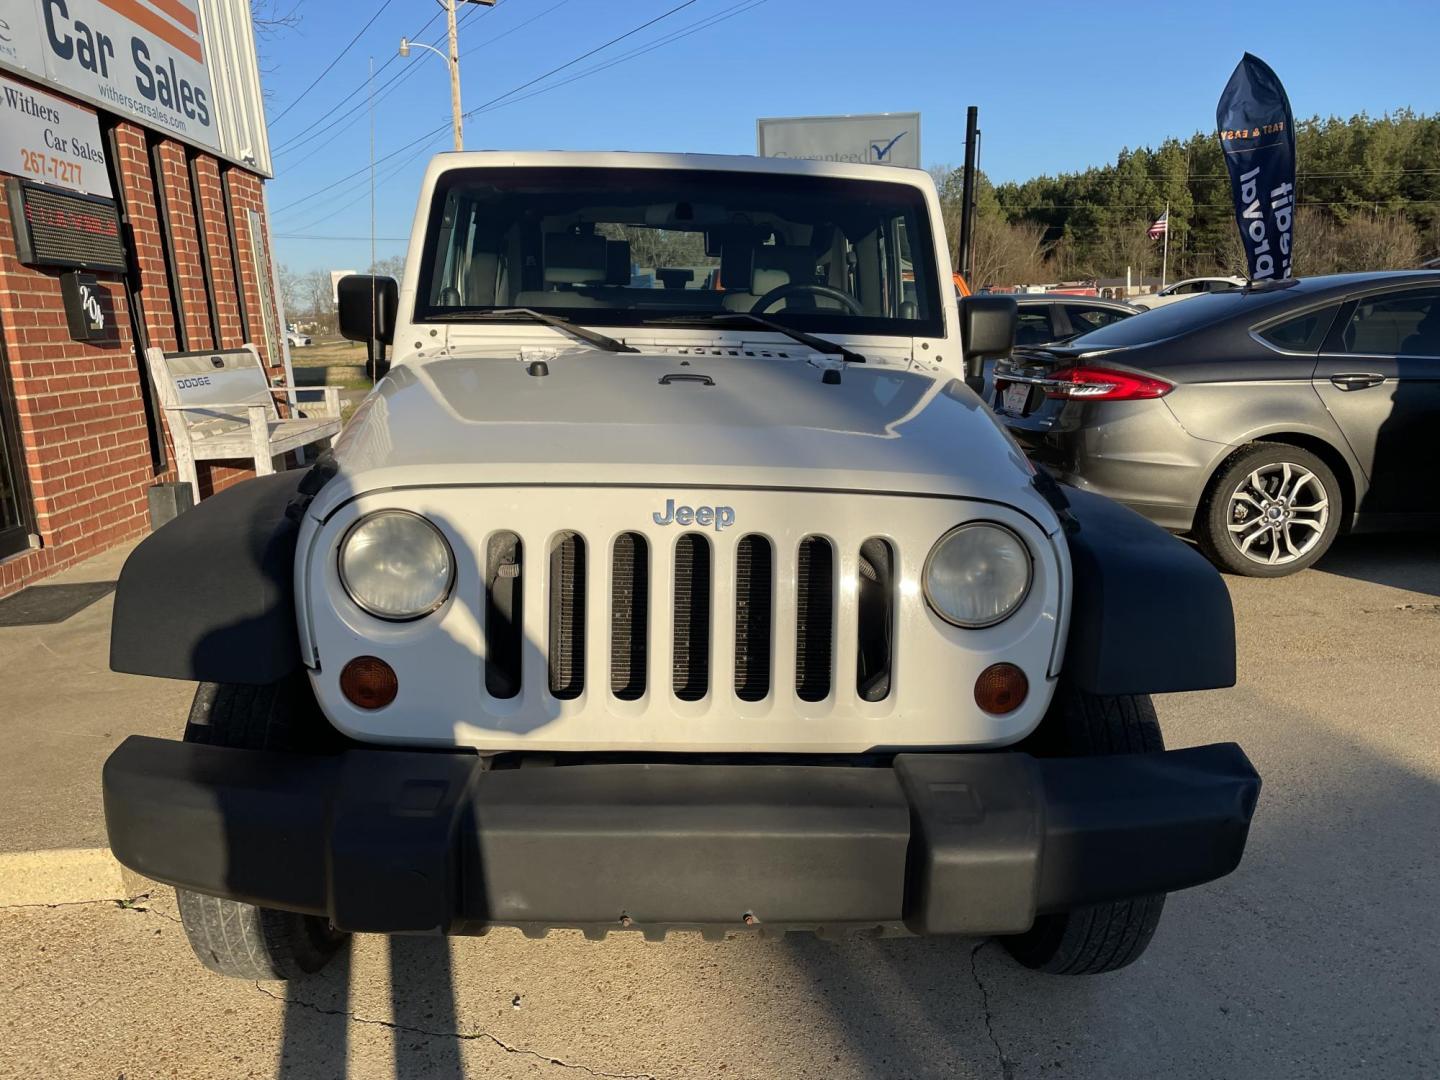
630 246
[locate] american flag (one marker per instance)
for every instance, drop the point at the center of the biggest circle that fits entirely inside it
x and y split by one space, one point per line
1161 226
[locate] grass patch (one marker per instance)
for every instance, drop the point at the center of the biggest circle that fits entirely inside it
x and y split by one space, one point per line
326 351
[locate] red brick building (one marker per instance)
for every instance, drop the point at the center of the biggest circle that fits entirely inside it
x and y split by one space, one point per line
82 437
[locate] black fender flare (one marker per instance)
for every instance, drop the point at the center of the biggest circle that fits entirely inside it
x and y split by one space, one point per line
1149 614
210 596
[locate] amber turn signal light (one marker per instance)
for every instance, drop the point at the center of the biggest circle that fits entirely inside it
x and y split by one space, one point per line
369 682
1001 688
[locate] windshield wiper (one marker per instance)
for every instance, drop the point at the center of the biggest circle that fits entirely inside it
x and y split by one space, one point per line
810 341
590 337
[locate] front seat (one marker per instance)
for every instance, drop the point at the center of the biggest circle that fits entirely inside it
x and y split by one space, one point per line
775 266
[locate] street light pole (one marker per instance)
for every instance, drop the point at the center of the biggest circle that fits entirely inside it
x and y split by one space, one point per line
452 60
454 72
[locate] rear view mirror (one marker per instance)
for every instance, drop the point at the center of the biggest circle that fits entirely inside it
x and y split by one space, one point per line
987 327
368 305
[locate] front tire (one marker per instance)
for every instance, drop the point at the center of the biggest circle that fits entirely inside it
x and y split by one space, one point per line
1271 510
1100 937
239 940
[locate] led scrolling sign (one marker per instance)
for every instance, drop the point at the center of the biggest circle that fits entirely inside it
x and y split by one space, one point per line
62 228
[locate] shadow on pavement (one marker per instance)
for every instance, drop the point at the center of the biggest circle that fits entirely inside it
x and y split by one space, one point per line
1403 560
1317 957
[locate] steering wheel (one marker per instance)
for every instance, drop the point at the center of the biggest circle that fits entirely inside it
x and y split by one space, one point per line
780 292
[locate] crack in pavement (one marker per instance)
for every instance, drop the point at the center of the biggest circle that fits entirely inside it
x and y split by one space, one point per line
523 1051
133 903
1007 1068
120 903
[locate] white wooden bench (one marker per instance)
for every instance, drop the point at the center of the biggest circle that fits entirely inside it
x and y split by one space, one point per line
221 407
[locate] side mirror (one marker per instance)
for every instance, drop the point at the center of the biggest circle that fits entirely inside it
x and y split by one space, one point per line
987 327
368 305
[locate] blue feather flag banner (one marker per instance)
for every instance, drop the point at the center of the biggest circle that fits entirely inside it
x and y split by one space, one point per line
1257 133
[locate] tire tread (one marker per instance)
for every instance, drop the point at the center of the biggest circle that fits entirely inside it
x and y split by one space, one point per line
233 938
1100 937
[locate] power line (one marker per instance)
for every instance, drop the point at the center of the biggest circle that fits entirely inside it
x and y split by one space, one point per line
1150 208
349 118
393 171
683 32
299 136
349 98
694 28
429 135
1189 177
498 37
378 12
365 239
583 56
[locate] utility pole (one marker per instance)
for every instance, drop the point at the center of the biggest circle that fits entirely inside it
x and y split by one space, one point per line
452 60
454 72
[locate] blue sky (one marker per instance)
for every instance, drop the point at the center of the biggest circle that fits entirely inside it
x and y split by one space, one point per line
1060 86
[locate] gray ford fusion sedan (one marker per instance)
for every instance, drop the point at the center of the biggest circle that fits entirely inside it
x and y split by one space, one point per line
1260 422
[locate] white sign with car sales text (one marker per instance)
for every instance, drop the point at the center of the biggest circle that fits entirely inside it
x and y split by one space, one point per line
46 138
143 59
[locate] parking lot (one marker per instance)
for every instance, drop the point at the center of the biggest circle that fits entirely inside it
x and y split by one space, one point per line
1316 958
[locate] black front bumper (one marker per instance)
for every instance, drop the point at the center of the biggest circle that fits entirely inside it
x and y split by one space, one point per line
391 840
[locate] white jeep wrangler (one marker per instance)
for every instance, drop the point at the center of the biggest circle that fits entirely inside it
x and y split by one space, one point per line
672 577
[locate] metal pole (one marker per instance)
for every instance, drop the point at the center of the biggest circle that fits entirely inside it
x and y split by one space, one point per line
974 204
1165 248
967 196
372 189
454 72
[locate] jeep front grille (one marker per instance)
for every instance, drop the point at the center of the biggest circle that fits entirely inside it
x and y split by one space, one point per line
777 606
567 616
629 615
504 634
690 670
754 585
814 618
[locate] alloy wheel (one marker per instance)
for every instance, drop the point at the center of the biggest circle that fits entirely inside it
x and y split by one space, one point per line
1278 513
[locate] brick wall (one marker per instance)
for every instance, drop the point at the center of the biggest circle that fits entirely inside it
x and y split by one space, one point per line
222 265
81 420
80 411
174 181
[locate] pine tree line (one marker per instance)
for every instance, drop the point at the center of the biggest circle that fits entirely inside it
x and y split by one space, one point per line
1368 193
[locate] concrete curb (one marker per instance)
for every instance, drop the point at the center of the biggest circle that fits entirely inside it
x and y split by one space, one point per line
66 876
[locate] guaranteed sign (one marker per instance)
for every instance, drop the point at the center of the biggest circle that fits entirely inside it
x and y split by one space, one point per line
141 58
48 139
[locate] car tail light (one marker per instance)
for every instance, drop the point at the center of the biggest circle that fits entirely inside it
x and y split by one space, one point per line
1081 383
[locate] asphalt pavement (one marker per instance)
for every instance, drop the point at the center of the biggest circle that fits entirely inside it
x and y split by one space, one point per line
1319 957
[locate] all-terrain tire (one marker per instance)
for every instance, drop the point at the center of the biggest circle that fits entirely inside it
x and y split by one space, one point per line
1100 937
241 940
1214 517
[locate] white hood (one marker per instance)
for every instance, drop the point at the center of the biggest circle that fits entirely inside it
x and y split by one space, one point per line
613 419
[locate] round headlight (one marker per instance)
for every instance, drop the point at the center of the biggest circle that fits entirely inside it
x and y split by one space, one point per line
396 565
977 575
